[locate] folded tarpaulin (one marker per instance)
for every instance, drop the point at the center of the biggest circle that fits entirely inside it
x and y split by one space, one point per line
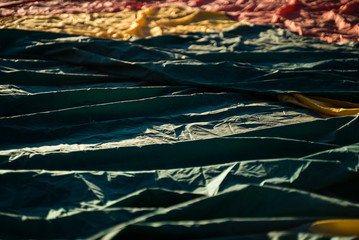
174 136
329 20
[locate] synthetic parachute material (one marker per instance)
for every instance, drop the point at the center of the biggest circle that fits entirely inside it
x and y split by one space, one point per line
174 137
337 227
324 106
246 58
127 23
329 20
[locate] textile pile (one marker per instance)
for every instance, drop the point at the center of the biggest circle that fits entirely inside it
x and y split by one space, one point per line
204 119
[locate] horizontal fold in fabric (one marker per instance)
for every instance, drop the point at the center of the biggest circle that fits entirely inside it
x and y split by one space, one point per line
175 136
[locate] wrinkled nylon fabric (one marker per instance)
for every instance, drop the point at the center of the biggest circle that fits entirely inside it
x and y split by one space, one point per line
156 22
324 106
329 20
127 23
245 58
176 136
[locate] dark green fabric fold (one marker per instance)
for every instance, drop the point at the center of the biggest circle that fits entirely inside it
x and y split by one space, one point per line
248 58
174 137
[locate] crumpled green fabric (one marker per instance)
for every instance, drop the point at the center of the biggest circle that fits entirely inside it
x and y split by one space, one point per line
250 58
174 137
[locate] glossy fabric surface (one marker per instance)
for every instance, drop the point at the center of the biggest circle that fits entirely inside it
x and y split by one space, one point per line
176 136
127 23
329 20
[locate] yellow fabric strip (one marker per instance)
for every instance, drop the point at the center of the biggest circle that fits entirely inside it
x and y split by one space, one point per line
336 227
323 106
127 23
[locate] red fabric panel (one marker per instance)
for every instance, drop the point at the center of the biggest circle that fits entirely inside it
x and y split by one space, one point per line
329 20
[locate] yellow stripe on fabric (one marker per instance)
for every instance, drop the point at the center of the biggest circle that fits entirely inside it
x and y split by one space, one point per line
324 106
127 23
336 227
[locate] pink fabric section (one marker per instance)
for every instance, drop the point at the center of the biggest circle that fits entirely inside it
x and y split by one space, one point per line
329 20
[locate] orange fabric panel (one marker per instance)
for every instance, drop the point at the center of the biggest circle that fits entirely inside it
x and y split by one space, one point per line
336 227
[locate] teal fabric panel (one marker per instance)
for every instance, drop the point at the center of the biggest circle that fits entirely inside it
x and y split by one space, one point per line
250 58
174 137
